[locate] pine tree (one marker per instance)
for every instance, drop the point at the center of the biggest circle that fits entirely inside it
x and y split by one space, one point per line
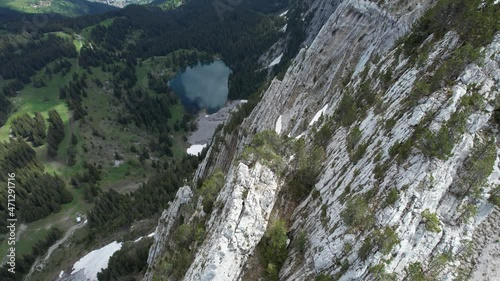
55 134
39 132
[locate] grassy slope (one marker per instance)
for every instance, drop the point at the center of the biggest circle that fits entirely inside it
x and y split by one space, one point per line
41 100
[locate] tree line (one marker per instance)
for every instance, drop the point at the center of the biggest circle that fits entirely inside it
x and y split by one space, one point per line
74 93
55 134
113 210
22 63
240 39
5 109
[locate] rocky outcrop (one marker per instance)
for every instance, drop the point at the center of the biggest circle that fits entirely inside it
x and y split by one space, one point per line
165 223
352 34
484 260
422 183
354 31
425 189
235 228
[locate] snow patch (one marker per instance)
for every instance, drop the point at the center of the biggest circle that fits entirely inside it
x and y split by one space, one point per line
278 126
276 61
299 136
283 29
285 12
95 261
140 238
196 149
61 274
318 115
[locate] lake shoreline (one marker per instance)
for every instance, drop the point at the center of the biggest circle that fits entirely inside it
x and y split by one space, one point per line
207 124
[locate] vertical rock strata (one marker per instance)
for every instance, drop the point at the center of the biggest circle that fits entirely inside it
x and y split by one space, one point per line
440 227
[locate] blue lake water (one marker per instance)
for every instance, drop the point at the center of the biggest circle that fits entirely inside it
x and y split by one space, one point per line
202 85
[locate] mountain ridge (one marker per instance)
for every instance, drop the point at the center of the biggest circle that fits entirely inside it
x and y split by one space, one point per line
391 200
63 7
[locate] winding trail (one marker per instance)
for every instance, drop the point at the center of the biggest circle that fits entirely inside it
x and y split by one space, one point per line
41 261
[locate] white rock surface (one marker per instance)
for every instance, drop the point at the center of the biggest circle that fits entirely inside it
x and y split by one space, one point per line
426 185
162 232
249 196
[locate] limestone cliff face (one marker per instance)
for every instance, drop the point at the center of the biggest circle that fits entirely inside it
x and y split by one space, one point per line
352 32
234 232
431 207
422 183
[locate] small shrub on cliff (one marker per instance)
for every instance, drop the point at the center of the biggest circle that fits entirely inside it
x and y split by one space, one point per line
391 198
300 242
358 153
385 239
401 150
275 251
468 211
365 249
420 89
306 168
439 145
357 213
266 146
353 138
379 274
495 196
431 221
437 265
380 170
382 240
346 111
415 272
324 134
210 189
478 166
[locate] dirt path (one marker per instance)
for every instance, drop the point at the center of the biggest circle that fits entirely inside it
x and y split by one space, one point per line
41 261
126 186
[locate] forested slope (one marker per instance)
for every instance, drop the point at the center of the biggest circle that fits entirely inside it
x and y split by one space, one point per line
85 102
